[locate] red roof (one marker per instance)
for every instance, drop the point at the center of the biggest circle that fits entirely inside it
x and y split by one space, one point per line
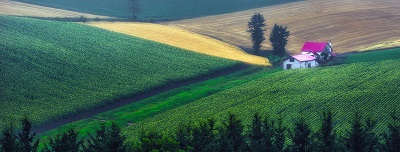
304 57
314 47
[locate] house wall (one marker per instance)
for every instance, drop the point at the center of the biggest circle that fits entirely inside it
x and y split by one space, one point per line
297 64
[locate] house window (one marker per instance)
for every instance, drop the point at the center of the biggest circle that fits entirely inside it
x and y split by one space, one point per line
291 59
288 66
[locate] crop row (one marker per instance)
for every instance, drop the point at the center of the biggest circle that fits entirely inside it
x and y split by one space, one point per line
52 69
369 87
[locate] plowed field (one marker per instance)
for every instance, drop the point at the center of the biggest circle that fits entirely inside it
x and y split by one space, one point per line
8 7
182 39
352 25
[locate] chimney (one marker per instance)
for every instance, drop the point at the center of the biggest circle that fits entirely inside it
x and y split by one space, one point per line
330 43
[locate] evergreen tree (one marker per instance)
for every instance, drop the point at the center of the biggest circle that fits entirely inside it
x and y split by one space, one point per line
255 27
106 140
279 38
25 138
326 134
154 141
372 140
256 135
97 142
268 130
279 139
356 140
231 138
392 139
184 137
8 142
115 141
301 138
203 136
65 142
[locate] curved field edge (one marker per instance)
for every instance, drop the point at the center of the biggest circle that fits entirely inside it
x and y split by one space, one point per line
369 87
162 102
157 9
183 39
350 25
9 7
50 70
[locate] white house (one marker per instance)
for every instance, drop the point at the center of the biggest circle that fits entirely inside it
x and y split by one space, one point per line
300 61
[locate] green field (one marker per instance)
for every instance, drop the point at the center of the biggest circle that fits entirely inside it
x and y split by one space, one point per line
369 87
146 108
50 70
378 55
158 9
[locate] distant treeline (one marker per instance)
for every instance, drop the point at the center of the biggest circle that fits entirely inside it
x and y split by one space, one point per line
263 134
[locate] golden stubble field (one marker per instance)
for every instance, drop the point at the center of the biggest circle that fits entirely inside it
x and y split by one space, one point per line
352 25
182 39
8 7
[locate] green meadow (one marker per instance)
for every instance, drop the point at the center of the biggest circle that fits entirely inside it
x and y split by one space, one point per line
371 88
50 70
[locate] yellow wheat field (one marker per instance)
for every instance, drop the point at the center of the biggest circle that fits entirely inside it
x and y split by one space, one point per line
182 39
8 7
352 25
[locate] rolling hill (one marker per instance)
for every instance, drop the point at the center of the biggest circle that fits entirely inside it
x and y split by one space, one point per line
183 39
157 9
352 25
9 7
371 87
51 70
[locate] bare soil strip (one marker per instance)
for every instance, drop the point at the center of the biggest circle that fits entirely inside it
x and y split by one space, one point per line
352 25
8 7
183 39
122 102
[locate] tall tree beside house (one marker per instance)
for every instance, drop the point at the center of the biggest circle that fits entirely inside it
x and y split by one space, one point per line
256 29
279 38
25 140
135 8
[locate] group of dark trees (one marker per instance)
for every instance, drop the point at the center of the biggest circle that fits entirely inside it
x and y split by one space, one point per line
263 134
104 140
278 36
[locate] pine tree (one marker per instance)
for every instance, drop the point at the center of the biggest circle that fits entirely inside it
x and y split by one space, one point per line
392 138
268 130
279 38
255 27
256 134
301 138
97 143
8 142
326 133
184 137
231 138
25 138
203 136
356 140
65 142
279 139
115 141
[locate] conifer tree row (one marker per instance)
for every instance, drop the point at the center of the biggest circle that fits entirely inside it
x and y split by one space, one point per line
263 134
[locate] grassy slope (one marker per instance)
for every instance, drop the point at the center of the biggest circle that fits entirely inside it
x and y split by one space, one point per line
53 69
167 9
143 109
370 87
